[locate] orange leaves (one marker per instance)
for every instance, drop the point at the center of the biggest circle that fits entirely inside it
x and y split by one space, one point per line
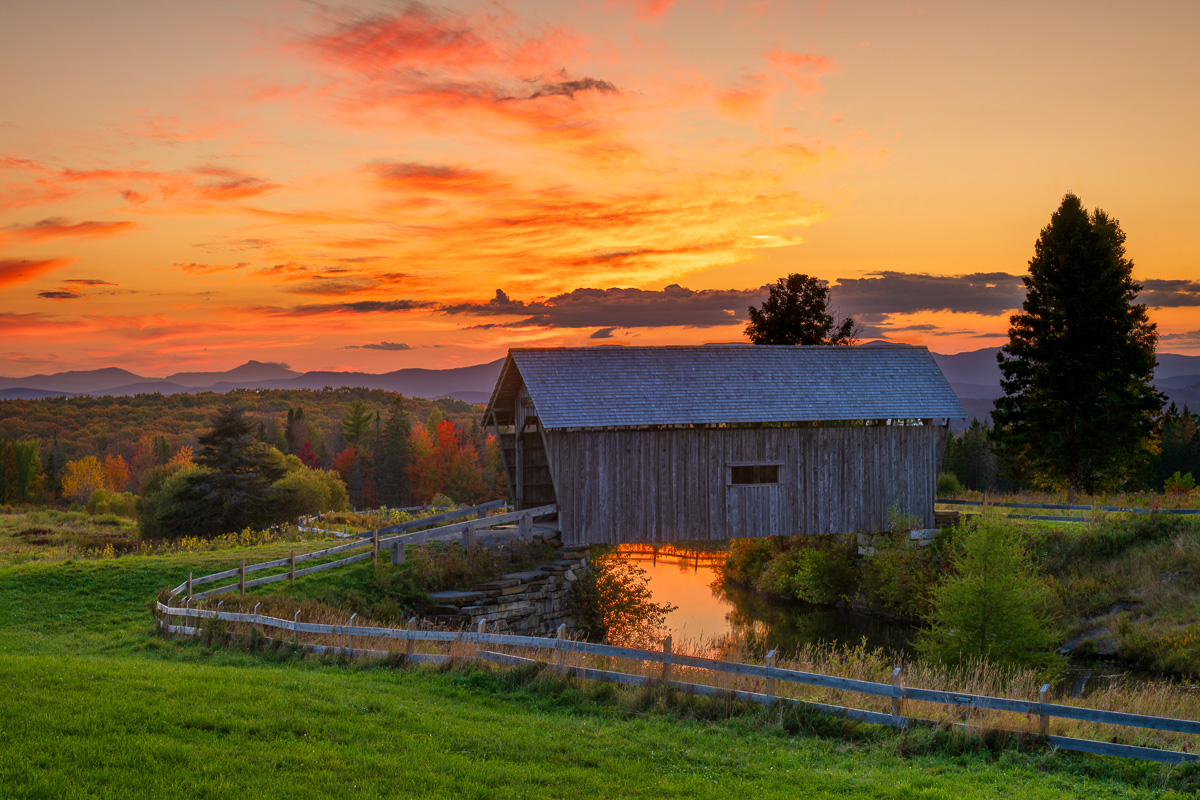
116 473
446 466
82 478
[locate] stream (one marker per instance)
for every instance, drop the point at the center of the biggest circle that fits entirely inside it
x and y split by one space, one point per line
710 617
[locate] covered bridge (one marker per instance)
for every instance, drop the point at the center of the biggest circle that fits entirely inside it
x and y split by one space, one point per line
657 444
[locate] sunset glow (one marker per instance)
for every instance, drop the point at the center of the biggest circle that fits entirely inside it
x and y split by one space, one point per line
375 186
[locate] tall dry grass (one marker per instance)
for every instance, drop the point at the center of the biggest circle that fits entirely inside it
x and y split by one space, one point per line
1174 700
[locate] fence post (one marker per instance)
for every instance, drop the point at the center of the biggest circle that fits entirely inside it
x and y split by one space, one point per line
292 567
256 605
242 578
558 653
398 554
897 692
1044 719
186 620
666 673
295 633
525 526
479 629
408 640
481 514
468 536
189 588
351 635
375 547
770 664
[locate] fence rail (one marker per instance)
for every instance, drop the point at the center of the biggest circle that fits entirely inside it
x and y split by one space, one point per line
400 538
1092 517
897 692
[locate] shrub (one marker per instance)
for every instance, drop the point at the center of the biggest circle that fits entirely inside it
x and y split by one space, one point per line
102 501
442 501
311 491
610 600
747 560
948 485
1180 484
159 497
900 576
992 605
819 571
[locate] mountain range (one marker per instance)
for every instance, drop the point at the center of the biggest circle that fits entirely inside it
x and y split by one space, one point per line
473 384
974 376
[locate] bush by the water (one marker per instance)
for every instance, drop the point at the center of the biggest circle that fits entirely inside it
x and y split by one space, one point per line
991 604
820 571
610 601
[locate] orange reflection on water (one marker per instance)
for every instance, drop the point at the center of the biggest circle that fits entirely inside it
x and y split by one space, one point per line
683 578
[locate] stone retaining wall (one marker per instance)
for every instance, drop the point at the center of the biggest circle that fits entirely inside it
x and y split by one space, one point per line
522 603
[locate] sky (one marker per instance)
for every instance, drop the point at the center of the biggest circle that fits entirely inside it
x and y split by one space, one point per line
373 186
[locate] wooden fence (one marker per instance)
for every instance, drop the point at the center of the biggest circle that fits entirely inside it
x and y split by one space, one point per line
395 537
768 672
1092 512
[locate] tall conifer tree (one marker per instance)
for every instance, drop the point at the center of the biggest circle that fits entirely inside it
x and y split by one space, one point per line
1079 411
397 436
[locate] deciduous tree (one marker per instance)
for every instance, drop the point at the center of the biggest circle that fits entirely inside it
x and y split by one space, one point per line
81 478
796 312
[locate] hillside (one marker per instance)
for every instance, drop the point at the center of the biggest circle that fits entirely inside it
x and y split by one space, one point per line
96 705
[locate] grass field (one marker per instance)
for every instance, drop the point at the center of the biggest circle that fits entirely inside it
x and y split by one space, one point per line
93 704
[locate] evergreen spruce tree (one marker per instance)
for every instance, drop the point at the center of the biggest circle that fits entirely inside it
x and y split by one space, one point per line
991 605
235 489
356 423
393 472
1079 411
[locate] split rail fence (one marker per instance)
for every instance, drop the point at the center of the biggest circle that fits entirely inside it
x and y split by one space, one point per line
1090 513
396 537
478 642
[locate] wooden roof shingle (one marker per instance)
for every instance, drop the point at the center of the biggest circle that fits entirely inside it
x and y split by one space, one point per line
586 387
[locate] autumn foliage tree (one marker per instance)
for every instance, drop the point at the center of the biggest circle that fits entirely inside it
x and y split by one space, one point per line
82 478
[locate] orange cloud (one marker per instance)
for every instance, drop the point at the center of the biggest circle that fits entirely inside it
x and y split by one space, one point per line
420 39
646 9
803 69
59 228
19 270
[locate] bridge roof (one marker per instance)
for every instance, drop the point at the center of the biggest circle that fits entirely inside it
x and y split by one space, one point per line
590 387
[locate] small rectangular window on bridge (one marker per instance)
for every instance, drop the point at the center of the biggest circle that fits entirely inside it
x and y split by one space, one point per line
753 474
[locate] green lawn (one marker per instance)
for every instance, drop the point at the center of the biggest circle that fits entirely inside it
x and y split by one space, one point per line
93 704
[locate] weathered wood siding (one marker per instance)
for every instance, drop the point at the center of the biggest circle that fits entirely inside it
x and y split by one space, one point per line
670 485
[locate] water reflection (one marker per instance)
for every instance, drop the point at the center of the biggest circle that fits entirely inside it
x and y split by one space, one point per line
723 620
714 617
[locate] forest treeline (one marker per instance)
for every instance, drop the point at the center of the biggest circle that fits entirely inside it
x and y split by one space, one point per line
387 449
972 460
